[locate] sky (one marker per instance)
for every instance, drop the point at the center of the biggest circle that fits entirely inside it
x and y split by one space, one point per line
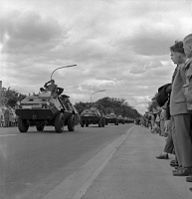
119 46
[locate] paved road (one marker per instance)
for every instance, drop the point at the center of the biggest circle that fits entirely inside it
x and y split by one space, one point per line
134 173
34 163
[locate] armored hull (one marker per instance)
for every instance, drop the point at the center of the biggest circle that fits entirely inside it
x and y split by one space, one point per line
44 109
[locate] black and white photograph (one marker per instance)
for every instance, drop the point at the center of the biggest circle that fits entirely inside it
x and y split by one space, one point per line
95 99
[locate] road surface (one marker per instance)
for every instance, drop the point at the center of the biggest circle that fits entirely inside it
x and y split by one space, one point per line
33 163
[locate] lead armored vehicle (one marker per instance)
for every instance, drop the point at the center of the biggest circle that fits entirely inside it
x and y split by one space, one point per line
48 108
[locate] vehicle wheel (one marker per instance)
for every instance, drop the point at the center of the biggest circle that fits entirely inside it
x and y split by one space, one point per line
116 123
82 124
71 123
86 124
59 123
100 123
103 122
40 126
23 125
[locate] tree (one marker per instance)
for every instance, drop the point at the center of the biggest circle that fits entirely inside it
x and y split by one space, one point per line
108 105
80 106
10 97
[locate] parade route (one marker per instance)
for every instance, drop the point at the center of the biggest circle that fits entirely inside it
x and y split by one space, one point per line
124 167
135 173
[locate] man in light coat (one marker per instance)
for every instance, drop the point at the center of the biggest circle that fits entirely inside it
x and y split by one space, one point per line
181 117
187 44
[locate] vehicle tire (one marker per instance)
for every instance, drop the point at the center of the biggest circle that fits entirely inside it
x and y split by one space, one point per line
40 126
100 123
82 124
59 123
116 123
103 122
87 124
23 125
71 123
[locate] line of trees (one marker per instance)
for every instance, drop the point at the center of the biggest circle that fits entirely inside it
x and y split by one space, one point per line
9 97
109 105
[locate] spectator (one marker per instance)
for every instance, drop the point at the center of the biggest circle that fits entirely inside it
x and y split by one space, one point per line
162 122
180 116
6 117
1 118
161 97
187 44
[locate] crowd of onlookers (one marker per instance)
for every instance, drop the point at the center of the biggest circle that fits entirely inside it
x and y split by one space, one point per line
8 117
173 117
157 122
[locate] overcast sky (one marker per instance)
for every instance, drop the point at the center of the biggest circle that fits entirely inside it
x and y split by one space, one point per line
121 46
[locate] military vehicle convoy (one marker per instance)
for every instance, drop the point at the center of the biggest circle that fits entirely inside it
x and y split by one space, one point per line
48 108
92 116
